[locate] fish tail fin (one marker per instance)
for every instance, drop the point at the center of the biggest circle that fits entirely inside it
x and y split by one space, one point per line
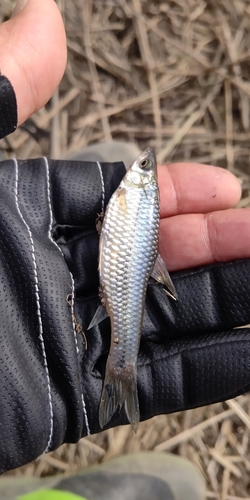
120 387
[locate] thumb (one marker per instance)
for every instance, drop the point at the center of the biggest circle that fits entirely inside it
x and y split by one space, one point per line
32 54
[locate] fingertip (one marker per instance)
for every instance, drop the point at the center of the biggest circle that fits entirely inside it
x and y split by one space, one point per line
234 187
194 187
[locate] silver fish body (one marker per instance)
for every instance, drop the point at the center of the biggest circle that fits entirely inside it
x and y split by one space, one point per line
127 256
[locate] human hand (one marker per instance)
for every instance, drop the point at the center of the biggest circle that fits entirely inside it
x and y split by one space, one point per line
195 228
52 367
32 57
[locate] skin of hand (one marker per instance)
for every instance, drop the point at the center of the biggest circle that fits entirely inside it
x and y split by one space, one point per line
33 53
197 219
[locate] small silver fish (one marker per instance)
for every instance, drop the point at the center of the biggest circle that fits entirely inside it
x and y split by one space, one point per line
128 256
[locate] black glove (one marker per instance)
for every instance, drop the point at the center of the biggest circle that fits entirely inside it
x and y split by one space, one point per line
52 368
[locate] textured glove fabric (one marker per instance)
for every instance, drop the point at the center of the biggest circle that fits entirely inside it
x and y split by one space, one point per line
8 107
51 367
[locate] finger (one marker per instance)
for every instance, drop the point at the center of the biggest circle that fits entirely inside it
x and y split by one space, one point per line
197 239
33 54
190 187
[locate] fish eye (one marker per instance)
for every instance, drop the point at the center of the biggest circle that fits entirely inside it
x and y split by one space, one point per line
144 163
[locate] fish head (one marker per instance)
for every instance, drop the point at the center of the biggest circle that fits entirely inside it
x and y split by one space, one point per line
144 169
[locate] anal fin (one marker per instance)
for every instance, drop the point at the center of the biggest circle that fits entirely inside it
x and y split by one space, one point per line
161 274
99 316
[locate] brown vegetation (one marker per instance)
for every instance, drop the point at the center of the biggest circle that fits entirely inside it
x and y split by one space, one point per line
173 75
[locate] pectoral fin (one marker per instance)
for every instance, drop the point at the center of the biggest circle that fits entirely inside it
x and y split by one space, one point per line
100 315
161 274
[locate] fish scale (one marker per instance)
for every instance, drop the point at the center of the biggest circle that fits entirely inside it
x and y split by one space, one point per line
127 258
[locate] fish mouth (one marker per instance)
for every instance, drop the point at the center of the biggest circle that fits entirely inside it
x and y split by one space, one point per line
150 153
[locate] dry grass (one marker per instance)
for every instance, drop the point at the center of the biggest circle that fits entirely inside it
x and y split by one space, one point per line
173 75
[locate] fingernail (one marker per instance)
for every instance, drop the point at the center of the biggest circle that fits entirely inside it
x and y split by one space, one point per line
18 7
